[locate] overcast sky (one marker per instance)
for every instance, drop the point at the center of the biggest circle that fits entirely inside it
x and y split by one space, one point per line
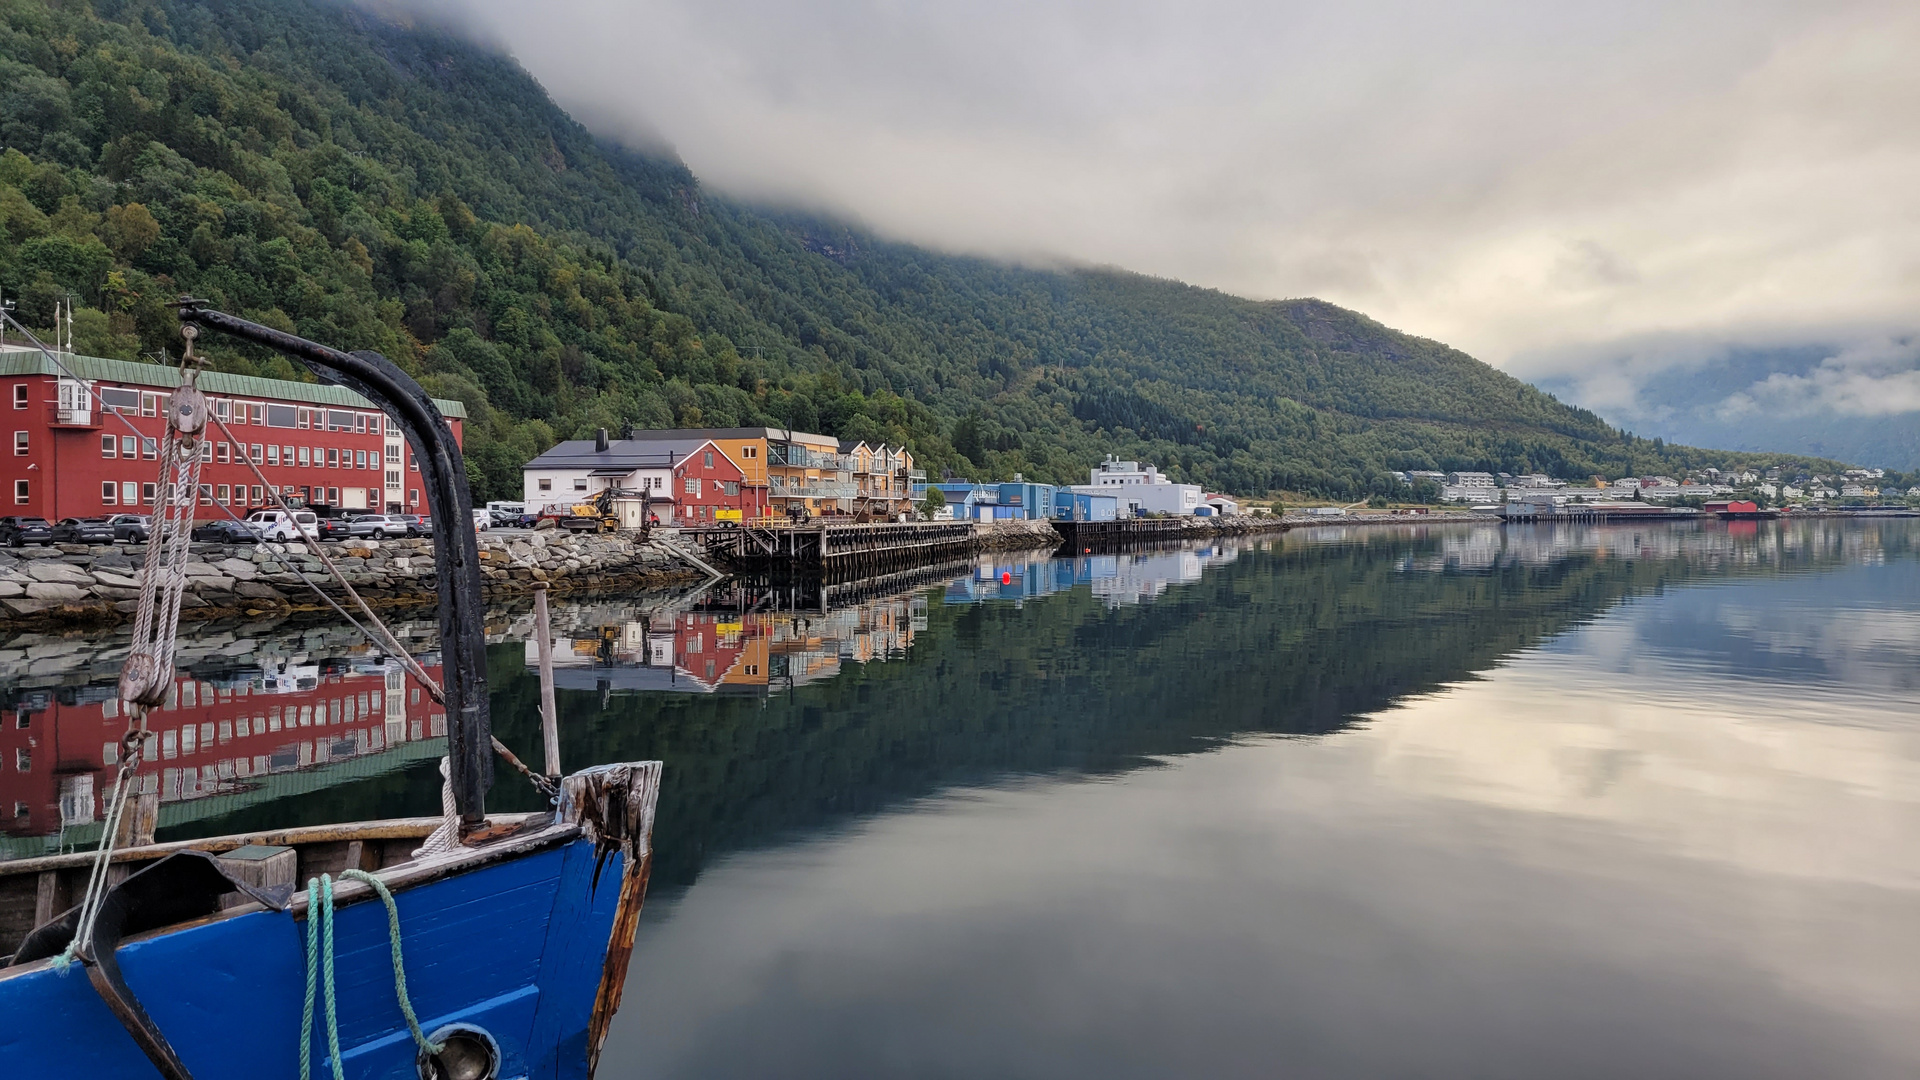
1546 185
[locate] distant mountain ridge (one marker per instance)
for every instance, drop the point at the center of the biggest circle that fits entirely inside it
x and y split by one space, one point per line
393 187
1759 398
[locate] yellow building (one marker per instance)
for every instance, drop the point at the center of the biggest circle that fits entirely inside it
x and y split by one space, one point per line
786 471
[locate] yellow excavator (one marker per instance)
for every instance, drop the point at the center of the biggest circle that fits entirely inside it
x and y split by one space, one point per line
597 514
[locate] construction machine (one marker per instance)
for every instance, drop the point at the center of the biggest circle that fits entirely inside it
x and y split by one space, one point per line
597 514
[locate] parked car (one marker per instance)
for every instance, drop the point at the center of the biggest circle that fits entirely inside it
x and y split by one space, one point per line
21 531
83 531
133 528
283 525
333 528
416 525
378 525
482 521
224 531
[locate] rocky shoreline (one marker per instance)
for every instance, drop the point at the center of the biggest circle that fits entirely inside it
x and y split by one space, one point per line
98 585
73 583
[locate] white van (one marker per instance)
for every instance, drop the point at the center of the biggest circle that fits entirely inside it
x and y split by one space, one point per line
283 525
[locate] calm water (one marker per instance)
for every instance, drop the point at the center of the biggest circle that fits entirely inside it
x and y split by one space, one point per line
1450 802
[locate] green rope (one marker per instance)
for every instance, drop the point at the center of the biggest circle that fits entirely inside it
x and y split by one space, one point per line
313 970
320 964
399 965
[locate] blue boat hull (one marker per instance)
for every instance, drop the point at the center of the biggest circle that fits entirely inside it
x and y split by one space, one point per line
516 948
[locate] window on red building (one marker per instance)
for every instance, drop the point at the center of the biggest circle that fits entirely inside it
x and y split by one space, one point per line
303 457
129 493
20 492
109 446
147 492
149 404
258 454
273 455
149 448
333 458
221 495
206 494
222 453
20 392
109 492
19 444
129 444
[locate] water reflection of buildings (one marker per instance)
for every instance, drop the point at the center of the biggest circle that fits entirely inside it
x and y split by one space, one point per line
222 739
625 650
1734 543
1118 580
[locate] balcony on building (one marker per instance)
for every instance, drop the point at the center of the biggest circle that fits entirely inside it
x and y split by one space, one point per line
62 416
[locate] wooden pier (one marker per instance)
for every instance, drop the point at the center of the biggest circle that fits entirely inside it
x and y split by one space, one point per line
1078 536
836 552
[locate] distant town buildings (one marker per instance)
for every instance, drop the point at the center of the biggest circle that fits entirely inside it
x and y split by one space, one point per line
759 471
1493 489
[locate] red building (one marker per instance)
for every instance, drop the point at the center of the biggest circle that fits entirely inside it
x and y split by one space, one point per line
59 749
88 445
686 481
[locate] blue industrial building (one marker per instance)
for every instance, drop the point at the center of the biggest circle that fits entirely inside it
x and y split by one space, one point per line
1034 501
1071 505
1021 501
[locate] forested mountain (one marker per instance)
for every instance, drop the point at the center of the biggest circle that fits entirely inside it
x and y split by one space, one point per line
373 185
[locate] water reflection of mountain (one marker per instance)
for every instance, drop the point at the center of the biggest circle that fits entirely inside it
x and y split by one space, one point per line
1020 672
775 721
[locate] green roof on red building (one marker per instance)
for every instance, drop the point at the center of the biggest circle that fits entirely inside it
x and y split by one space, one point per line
16 361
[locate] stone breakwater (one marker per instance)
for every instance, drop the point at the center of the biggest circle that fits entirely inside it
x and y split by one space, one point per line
1014 535
79 583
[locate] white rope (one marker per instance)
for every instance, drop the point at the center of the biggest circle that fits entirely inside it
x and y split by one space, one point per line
447 837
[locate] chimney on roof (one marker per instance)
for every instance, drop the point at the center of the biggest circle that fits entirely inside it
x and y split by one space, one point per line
600 440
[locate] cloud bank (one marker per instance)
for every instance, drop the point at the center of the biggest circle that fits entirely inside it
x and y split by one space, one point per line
1525 180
